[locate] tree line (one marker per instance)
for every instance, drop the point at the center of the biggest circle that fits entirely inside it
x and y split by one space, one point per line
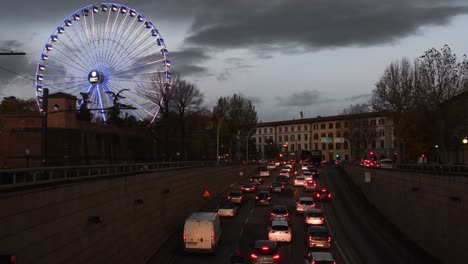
413 93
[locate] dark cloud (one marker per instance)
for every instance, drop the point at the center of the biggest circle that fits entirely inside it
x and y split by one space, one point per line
298 26
234 65
359 97
188 61
302 98
253 99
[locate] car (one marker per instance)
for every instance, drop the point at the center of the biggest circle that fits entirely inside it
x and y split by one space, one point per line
314 171
314 217
264 251
304 203
288 167
256 179
304 166
299 181
284 172
263 197
322 194
310 186
227 208
279 213
248 187
386 163
308 175
235 197
202 232
277 186
264 172
318 237
282 178
277 163
279 231
271 166
321 257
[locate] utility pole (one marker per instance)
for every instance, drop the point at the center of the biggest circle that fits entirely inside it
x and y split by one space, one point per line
45 95
8 52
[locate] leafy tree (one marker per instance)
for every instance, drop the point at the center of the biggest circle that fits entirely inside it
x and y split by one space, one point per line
16 106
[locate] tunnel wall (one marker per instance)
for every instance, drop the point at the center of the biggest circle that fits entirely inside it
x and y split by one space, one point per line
432 210
51 224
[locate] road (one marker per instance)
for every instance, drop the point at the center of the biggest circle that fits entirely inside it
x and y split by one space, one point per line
360 234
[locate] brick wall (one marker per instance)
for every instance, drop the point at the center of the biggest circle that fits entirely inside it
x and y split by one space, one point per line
49 224
432 210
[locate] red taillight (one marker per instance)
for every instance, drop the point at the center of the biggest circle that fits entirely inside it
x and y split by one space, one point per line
269 198
253 256
307 218
318 195
321 218
271 186
256 197
212 238
329 195
276 256
329 239
313 262
286 214
310 238
185 237
12 259
229 197
273 214
265 248
240 198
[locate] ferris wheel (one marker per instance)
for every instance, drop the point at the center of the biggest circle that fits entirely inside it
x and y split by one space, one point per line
107 56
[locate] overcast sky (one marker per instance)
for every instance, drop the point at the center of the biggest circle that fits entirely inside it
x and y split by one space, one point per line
287 56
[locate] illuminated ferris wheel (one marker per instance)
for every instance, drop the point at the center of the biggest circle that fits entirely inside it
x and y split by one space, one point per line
107 55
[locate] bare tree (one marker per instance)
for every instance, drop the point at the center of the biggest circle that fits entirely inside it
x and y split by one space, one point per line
186 97
356 108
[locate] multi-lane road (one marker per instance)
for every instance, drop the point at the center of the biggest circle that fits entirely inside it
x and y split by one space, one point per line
360 234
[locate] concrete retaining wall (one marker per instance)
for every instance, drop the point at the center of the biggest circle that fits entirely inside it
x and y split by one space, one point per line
432 210
50 224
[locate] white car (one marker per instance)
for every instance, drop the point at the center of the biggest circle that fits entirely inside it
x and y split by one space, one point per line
314 217
271 166
227 209
305 166
279 231
308 175
288 166
299 181
304 203
284 172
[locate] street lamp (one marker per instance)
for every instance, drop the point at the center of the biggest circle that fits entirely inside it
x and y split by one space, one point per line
247 144
217 134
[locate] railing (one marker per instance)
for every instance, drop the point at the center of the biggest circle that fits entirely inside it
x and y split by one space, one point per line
32 176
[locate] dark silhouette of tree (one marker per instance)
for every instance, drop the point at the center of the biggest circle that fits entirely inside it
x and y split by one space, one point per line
114 112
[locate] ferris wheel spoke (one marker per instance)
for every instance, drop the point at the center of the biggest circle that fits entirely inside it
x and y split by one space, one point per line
80 65
70 51
132 49
134 67
128 62
57 83
67 64
132 101
82 46
119 43
140 73
77 51
89 43
72 89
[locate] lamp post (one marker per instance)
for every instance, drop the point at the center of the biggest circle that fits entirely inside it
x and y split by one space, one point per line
217 133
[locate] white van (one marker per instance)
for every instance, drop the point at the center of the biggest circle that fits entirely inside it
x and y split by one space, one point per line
202 231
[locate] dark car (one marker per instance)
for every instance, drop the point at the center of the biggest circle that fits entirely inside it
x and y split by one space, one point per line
282 179
256 179
279 213
263 197
248 187
276 186
318 237
264 251
314 171
322 194
235 197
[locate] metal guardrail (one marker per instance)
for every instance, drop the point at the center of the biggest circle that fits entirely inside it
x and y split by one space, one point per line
11 178
440 169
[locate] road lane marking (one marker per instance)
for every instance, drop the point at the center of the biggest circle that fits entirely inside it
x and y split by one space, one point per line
335 241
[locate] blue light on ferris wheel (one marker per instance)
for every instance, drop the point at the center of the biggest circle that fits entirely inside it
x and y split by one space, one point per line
104 8
76 17
167 63
41 67
54 38
164 52
123 10
39 87
95 9
154 32
39 77
141 18
114 8
68 23
132 13
48 47
60 30
44 57
160 41
148 24
169 75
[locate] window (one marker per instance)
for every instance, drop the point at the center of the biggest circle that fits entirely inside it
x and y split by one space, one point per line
338 125
306 127
264 130
346 134
315 136
345 145
338 146
330 125
381 133
259 139
292 128
372 122
323 126
280 129
259 131
330 145
315 127
338 134
286 129
346 124
280 138
305 137
292 147
324 146
381 121
298 128
323 135
271 130
299 137
292 137
382 145
316 145
265 139
306 146
330 135
286 138
373 144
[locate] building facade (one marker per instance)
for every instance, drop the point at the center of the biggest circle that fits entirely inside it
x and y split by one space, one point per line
344 137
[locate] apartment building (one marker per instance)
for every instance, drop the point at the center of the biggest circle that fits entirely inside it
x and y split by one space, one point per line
344 137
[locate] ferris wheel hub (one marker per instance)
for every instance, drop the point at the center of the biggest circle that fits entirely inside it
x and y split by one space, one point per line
95 77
